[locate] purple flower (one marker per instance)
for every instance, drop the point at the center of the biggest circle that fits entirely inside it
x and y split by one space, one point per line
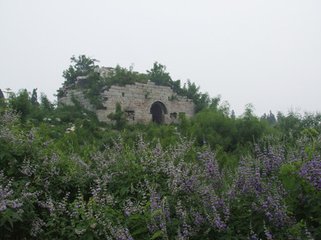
36 227
271 159
28 168
268 234
253 237
275 210
7 198
249 180
311 171
121 233
211 166
158 212
3 206
216 210
198 218
184 229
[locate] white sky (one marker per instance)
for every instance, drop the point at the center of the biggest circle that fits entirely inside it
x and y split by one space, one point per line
264 52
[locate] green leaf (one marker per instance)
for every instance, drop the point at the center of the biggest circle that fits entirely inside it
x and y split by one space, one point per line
157 234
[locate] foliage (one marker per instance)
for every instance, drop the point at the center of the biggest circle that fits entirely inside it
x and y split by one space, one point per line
68 176
21 103
65 175
214 127
270 118
118 117
159 76
34 97
83 74
81 66
122 76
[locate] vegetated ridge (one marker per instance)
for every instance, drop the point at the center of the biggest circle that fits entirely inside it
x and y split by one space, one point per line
66 175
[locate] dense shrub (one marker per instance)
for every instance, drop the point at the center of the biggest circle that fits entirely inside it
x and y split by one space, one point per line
64 186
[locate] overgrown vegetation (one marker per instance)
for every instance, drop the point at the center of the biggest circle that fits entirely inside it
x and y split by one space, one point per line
65 175
84 73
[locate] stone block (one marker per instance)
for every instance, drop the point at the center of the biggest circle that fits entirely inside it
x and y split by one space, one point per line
139 98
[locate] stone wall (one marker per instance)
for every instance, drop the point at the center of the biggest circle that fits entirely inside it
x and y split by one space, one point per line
78 95
136 101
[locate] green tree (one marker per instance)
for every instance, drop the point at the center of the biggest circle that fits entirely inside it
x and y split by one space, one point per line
34 97
215 128
270 118
159 76
2 100
233 114
1 94
45 104
249 127
201 100
190 90
118 117
21 103
289 126
81 66
122 76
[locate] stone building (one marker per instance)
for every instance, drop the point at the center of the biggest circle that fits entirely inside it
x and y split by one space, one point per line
142 103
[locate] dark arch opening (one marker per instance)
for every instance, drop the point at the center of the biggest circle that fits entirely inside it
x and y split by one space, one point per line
158 110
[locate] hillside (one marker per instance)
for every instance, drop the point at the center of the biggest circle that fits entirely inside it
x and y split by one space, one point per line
66 175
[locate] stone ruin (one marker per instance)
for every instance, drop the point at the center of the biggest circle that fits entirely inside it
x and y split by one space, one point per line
141 103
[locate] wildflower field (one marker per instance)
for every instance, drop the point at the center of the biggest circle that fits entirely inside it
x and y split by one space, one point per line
56 184
65 175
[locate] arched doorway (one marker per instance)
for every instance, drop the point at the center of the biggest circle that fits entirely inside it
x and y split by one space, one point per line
158 110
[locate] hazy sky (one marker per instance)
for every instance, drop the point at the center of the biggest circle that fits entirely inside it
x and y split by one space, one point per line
264 52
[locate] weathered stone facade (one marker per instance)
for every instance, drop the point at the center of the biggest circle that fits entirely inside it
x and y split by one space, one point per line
142 103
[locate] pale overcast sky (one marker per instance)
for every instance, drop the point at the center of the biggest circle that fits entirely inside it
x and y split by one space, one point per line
264 52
